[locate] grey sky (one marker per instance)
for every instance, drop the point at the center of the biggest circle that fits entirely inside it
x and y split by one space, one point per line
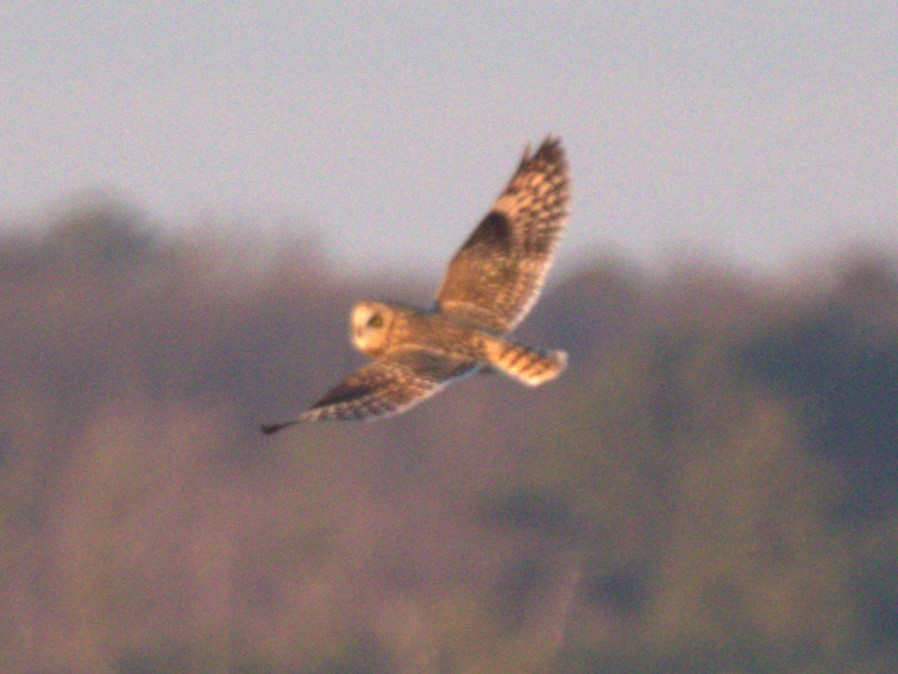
758 132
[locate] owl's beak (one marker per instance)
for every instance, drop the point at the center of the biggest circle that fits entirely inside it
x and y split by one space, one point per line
356 336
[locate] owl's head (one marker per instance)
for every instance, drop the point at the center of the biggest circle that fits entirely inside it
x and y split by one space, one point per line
370 324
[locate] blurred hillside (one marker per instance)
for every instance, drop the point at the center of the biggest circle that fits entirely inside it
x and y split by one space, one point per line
711 487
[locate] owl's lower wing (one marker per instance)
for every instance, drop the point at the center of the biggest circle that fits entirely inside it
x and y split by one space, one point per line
496 276
389 385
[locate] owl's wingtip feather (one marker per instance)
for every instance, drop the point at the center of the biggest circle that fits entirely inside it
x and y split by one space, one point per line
271 429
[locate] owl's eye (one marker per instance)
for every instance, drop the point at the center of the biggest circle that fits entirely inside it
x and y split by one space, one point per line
375 321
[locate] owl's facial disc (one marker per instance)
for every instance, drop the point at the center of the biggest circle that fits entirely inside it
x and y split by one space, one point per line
369 323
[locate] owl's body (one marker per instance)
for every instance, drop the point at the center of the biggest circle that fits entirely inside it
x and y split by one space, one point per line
491 285
398 325
403 327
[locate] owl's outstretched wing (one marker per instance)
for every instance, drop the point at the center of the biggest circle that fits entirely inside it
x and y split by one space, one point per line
496 276
388 385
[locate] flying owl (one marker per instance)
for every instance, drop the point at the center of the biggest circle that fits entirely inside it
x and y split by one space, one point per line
491 285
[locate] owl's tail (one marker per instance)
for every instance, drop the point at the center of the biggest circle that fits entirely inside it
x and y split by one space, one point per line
526 365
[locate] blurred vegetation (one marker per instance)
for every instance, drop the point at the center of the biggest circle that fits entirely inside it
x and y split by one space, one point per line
710 487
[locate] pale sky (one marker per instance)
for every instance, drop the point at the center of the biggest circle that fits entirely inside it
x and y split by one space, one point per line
761 133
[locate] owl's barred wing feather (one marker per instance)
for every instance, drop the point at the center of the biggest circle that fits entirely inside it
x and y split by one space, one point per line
496 276
389 385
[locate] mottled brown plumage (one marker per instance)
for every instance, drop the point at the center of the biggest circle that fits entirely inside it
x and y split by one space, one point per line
496 276
491 284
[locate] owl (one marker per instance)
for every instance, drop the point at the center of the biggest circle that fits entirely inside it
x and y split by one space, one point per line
491 285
